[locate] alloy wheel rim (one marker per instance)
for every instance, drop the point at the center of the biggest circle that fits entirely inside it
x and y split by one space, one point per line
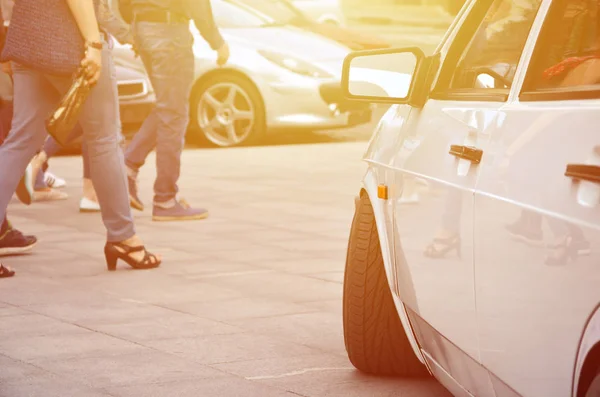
226 114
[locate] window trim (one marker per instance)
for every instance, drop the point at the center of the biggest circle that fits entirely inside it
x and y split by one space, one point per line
473 21
473 95
528 94
459 43
562 94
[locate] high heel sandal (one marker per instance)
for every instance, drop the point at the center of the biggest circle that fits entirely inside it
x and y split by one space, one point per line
567 251
115 251
446 246
6 272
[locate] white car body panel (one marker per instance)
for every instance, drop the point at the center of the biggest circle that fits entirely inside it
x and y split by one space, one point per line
498 320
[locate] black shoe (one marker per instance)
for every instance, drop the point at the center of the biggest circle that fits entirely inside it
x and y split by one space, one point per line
14 242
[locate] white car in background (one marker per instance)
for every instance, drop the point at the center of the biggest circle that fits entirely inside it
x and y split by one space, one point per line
277 77
490 279
324 11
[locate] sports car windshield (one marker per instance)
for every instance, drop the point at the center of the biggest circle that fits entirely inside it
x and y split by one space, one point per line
282 11
230 15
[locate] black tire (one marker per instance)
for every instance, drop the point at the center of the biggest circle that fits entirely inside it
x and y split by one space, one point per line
195 133
375 338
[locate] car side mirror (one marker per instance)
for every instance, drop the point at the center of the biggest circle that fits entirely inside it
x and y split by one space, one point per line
391 76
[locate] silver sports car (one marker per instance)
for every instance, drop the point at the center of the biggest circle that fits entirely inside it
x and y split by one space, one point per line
277 77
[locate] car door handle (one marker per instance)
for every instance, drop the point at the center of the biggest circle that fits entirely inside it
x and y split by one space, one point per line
467 153
584 172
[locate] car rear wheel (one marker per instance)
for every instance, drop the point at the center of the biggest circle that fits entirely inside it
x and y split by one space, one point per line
227 111
375 338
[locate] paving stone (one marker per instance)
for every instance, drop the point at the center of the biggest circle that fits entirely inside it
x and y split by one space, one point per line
229 348
221 387
243 308
17 371
302 328
110 311
350 383
283 367
30 324
164 327
281 286
64 346
49 385
140 368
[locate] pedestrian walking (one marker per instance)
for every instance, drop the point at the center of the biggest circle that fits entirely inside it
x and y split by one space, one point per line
164 42
44 182
45 43
12 241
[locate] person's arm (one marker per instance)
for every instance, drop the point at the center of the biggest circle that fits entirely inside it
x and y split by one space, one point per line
85 17
126 10
201 13
110 22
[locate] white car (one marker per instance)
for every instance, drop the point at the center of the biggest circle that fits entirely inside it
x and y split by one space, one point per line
277 77
474 254
324 11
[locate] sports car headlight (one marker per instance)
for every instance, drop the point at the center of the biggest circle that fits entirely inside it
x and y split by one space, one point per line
294 64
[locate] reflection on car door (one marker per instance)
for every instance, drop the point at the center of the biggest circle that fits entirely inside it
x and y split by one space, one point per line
537 230
438 167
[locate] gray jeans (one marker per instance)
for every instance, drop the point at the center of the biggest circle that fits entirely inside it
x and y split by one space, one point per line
36 96
166 51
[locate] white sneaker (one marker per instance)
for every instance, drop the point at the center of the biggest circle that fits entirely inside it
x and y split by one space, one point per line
54 181
87 205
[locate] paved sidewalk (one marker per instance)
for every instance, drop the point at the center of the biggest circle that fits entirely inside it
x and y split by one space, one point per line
247 303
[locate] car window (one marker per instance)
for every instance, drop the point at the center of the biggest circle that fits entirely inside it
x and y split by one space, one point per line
230 15
567 55
489 60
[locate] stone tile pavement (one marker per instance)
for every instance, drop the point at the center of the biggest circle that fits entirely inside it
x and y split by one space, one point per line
247 302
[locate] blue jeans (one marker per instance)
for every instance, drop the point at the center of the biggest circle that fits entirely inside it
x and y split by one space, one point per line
166 50
36 95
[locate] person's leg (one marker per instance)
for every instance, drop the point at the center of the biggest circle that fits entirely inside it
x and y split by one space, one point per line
99 123
143 142
33 101
170 59
89 200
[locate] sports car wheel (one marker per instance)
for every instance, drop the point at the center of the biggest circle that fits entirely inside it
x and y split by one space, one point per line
227 111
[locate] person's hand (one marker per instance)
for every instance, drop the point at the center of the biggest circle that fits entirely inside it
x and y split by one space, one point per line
92 65
223 54
7 68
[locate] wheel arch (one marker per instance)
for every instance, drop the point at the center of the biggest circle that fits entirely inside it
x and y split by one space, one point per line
588 355
369 188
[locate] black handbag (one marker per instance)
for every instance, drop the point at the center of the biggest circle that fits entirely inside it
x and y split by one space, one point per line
43 35
61 123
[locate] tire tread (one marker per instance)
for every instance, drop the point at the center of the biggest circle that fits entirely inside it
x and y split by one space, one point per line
374 336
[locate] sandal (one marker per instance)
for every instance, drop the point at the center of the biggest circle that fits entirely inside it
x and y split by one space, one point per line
115 251
440 247
6 272
567 251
